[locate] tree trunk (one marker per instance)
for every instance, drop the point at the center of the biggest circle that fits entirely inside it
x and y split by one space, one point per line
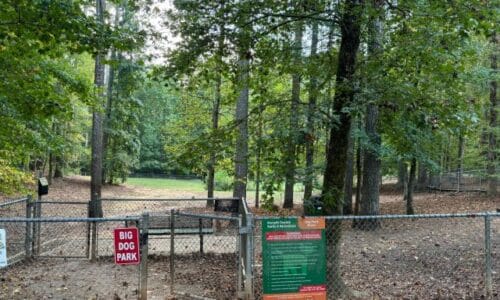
402 174
96 163
106 121
58 170
291 151
370 187
258 158
310 130
241 117
423 177
51 167
492 147
119 11
409 188
371 159
460 158
215 126
347 209
334 175
359 177
215 112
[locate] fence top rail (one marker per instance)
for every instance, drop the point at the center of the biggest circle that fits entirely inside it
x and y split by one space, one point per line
379 217
64 202
166 199
14 201
67 220
205 216
246 209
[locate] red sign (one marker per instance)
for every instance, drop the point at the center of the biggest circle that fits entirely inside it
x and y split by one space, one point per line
293 235
127 246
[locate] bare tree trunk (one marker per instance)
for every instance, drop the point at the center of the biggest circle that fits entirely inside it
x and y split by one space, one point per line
311 135
402 174
115 56
51 167
349 173
409 188
241 117
107 118
96 164
291 151
371 159
370 187
460 158
334 176
258 159
492 145
215 126
359 175
423 177
58 170
215 111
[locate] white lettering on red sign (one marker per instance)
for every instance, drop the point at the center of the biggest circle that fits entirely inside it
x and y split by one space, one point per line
127 246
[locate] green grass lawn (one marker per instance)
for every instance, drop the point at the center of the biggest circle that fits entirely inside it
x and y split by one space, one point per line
189 185
193 185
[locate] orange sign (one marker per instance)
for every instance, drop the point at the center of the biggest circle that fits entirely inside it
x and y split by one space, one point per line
297 296
311 223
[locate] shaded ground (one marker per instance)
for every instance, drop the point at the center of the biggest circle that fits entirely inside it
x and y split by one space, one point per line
81 279
424 259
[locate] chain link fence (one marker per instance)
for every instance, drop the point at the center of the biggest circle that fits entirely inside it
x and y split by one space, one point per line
460 181
134 206
190 254
425 256
42 276
194 252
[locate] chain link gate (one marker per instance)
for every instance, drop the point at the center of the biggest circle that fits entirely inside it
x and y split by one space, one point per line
205 256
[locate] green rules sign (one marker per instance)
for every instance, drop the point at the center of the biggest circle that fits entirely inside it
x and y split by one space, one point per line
294 260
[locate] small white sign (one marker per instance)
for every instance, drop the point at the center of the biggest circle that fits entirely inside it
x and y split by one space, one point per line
3 248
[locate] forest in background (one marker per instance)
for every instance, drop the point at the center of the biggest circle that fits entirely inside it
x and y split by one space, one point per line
319 93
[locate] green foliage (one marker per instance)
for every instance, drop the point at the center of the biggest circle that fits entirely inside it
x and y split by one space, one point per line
13 180
223 181
159 107
190 185
123 121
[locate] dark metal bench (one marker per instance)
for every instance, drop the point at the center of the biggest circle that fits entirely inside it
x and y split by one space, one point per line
161 225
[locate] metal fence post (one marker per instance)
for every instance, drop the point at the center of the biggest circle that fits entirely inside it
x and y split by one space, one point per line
143 267
87 250
172 251
37 213
249 259
201 235
487 257
93 248
93 231
28 237
239 243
